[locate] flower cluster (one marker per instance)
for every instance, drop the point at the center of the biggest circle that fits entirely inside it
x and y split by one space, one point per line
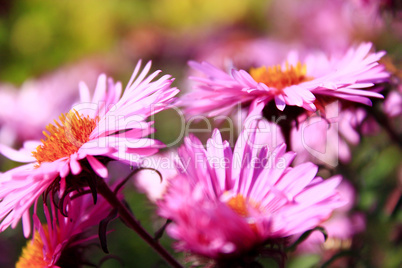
266 181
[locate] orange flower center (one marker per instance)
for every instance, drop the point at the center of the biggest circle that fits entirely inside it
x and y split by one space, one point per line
239 205
65 137
277 78
32 254
242 206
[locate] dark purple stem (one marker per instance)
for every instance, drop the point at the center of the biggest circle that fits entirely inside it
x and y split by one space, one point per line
129 219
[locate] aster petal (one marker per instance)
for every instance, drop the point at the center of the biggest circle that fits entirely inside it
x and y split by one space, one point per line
64 169
20 188
113 94
316 193
23 155
97 166
241 167
280 102
84 92
244 78
135 72
100 90
304 172
367 93
215 149
209 69
94 148
273 171
75 165
256 107
133 84
26 223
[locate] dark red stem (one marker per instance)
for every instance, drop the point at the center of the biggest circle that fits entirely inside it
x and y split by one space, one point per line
129 219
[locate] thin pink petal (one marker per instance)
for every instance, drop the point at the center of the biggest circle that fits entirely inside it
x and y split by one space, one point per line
97 166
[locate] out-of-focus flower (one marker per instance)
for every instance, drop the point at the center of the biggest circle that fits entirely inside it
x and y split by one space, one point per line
340 227
25 112
309 82
93 132
152 183
393 103
331 25
322 138
239 50
325 138
224 203
54 243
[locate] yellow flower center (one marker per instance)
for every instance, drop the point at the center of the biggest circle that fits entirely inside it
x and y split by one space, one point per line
277 78
32 254
64 138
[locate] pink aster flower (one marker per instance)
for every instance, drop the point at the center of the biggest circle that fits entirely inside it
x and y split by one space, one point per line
224 203
54 241
304 81
98 129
